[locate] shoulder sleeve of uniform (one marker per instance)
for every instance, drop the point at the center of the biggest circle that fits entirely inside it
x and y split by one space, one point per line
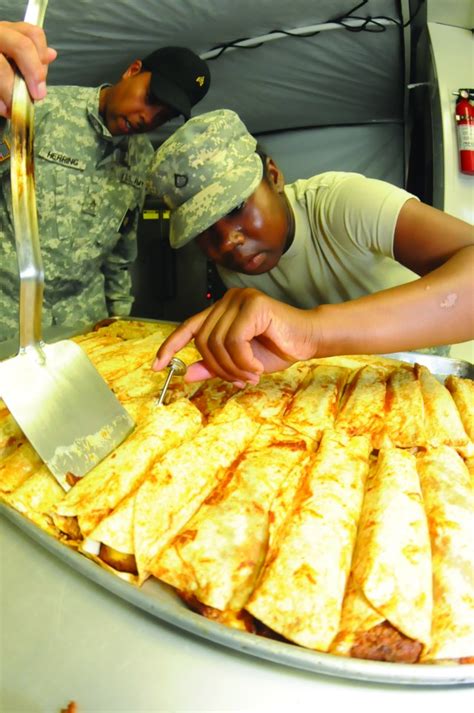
141 152
364 211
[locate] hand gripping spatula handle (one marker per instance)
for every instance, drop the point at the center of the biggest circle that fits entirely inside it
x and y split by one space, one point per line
65 408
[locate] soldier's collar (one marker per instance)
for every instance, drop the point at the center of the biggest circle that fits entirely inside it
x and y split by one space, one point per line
96 120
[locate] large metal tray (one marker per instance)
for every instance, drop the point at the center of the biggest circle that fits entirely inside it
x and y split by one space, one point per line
160 601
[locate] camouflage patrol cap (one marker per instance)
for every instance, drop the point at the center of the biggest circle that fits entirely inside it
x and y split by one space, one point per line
204 170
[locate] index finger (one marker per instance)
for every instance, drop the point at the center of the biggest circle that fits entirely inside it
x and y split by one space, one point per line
26 45
35 33
178 339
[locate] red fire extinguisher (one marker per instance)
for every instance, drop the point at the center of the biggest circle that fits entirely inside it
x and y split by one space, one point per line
465 129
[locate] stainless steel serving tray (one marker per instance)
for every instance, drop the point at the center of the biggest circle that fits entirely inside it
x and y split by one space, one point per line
160 601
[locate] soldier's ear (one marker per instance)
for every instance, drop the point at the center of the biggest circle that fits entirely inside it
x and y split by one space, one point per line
133 69
274 175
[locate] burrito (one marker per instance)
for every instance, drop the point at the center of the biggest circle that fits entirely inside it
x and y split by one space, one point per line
388 604
300 592
93 497
362 408
212 395
179 483
404 410
115 531
462 391
18 466
37 497
144 382
449 503
443 422
125 356
11 435
217 556
314 406
268 399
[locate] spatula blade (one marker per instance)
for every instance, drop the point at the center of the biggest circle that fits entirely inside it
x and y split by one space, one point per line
64 407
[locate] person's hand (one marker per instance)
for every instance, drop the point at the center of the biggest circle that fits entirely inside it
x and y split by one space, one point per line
243 335
26 45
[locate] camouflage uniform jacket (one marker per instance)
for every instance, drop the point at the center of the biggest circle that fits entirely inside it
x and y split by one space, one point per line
89 193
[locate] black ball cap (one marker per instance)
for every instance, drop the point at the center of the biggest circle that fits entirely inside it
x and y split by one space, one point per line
179 77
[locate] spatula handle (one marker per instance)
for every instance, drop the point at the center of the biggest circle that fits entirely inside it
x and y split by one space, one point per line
25 219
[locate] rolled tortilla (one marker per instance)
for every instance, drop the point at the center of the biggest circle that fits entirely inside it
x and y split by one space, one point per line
218 554
143 381
180 482
268 399
97 494
11 435
391 579
126 356
301 589
443 423
314 406
404 410
449 503
212 395
37 497
18 466
362 408
116 530
462 391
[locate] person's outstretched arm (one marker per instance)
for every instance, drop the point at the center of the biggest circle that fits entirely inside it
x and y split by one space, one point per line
26 45
247 333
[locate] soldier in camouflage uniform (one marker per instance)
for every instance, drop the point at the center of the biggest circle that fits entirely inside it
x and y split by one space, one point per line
333 264
91 162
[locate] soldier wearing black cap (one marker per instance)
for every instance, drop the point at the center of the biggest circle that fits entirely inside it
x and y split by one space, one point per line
91 162
179 78
165 84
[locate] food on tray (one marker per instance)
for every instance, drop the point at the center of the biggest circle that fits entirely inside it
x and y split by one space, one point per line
330 506
404 424
120 561
314 406
16 467
391 578
449 503
218 554
462 391
313 547
11 435
181 481
362 409
124 470
131 328
443 422
37 498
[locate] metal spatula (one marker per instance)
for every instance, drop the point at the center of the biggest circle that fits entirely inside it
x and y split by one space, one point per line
53 391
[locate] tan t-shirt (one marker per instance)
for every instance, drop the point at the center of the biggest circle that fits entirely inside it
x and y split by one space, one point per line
343 244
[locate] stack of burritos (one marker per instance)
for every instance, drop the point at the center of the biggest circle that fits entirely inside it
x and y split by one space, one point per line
330 506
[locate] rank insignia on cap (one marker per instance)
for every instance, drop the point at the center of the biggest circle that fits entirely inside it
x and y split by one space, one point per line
4 150
179 180
200 80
